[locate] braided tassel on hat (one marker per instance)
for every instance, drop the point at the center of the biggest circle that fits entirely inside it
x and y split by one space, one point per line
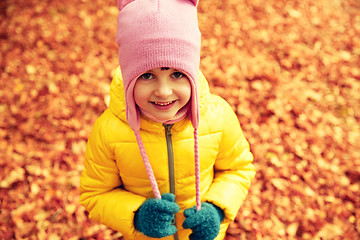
149 171
151 176
197 169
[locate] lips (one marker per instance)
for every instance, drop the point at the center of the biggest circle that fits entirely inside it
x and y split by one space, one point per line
163 105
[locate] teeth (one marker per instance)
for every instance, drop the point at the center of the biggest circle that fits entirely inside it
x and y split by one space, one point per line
162 103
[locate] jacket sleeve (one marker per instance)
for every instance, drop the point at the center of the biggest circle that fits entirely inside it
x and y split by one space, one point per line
234 170
101 191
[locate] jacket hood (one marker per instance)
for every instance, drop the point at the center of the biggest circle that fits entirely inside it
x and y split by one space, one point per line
118 107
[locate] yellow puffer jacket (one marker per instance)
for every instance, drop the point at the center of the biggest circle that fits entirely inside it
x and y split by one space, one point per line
114 182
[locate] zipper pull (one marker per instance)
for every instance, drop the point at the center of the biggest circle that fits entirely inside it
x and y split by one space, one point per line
168 129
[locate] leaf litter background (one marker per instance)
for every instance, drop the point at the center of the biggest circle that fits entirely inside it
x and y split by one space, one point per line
290 70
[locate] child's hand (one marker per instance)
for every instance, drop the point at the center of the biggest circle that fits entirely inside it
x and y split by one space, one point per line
205 223
154 217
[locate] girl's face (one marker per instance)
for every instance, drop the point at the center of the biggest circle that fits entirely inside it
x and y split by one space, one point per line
162 92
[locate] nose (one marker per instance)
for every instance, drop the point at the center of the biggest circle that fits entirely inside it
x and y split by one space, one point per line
164 89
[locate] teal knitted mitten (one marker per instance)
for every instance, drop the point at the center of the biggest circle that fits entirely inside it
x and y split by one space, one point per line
205 224
154 217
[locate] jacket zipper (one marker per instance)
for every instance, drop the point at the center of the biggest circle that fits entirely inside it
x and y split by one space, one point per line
170 152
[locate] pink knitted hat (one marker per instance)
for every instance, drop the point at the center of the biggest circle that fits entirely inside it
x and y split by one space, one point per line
154 34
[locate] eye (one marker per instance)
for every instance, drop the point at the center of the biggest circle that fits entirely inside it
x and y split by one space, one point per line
147 76
177 75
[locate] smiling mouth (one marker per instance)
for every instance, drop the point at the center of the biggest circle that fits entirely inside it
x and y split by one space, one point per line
163 106
163 103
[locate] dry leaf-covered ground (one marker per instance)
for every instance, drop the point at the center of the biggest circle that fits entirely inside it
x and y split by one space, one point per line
290 69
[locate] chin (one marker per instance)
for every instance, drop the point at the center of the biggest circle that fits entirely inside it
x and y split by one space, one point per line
163 120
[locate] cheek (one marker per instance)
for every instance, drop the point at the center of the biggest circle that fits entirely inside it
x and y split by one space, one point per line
139 94
186 92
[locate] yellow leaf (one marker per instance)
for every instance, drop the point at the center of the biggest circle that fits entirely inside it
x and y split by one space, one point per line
30 69
71 208
18 174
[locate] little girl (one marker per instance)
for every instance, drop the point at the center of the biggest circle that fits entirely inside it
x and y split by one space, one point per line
168 159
